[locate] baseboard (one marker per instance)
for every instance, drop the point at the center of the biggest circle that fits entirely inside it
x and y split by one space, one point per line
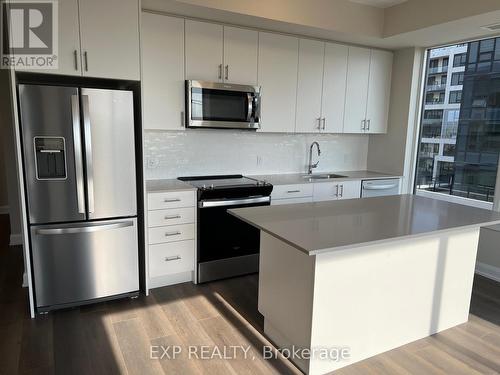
16 239
486 270
4 210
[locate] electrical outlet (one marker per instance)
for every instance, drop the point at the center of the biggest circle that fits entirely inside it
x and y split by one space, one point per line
153 163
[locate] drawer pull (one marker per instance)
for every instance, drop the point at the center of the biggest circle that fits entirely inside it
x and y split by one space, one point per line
168 200
293 191
170 217
168 234
175 257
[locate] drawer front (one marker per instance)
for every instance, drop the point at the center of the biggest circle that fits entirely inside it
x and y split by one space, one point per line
172 199
292 191
170 258
171 233
171 216
277 202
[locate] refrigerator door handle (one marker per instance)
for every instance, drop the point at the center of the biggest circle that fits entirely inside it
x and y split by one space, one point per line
84 229
77 144
88 152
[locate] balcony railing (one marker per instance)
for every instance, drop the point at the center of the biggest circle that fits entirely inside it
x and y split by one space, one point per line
434 101
438 69
438 87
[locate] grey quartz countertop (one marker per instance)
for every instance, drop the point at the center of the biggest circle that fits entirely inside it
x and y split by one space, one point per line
160 186
315 228
301 178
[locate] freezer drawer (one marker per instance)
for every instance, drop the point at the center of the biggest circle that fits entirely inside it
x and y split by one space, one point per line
77 262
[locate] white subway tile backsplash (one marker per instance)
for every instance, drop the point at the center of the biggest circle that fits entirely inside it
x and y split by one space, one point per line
203 152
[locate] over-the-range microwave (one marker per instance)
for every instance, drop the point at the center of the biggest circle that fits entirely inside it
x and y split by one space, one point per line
222 105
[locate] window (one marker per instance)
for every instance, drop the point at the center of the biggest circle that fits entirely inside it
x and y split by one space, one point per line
457 79
455 97
459 146
434 63
459 60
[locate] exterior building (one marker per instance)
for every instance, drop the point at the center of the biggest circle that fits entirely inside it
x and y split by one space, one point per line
443 92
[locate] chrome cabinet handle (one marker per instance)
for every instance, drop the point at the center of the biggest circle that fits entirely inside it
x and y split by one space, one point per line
341 191
324 123
363 124
368 124
85 57
318 120
227 72
220 71
175 257
171 217
77 146
337 190
293 191
169 200
75 55
169 234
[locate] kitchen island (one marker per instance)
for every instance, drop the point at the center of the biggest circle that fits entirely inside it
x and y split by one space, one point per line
363 276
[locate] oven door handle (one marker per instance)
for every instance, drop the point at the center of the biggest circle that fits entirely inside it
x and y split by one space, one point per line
233 202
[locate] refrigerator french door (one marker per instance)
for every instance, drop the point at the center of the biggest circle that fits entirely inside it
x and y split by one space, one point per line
79 163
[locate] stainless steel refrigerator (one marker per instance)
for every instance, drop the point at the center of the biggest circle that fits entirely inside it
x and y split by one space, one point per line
80 173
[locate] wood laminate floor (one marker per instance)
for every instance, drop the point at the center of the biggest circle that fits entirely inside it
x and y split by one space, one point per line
117 337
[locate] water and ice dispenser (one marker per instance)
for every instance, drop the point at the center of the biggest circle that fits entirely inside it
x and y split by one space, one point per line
50 158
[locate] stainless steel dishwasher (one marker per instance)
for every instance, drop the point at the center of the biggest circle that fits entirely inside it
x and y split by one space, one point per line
378 188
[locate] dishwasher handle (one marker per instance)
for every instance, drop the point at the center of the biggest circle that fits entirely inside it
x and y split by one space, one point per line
380 187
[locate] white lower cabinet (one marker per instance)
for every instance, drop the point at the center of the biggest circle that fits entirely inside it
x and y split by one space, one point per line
326 191
171 237
289 194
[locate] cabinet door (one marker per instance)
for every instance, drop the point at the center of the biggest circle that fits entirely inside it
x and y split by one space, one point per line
326 191
278 57
349 190
68 55
110 38
334 85
204 43
162 71
379 91
240 55
310 81
358 72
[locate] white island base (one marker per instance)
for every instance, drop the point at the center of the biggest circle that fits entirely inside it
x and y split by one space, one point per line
368 299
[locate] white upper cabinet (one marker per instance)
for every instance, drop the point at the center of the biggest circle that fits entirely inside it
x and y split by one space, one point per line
309 86
204 49
109 33
358 74
379 91
69 58
240 55
277 69
162 71
334 86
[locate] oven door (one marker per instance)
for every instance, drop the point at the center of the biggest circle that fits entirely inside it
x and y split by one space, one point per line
220 105
227 246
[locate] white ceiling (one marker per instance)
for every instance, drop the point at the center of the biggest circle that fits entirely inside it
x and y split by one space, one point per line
379 3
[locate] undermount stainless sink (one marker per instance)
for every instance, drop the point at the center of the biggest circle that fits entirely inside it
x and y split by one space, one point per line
312 177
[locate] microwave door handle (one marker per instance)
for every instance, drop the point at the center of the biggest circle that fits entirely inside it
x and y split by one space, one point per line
88 153
250 107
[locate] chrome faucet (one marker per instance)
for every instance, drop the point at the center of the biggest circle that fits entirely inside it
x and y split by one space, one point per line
311 165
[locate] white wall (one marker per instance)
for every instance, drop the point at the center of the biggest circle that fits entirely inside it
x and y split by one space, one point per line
393 152
202 152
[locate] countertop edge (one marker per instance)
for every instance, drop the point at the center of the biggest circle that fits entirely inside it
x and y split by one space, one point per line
363 244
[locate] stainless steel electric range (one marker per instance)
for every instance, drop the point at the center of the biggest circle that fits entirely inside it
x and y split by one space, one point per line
227 246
